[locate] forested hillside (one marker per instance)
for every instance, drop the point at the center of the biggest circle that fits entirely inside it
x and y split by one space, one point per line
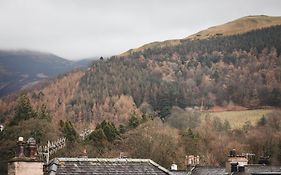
243 69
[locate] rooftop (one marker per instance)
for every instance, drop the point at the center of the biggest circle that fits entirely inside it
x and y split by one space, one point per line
98 166
262 169
249 170
202 170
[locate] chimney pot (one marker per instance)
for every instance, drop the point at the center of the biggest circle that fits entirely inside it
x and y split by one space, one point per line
20 150
31 148
20 139
232 153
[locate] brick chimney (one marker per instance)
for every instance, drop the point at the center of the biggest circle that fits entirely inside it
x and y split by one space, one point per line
26 161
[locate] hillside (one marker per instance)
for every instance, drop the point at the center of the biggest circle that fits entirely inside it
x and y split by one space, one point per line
243 70
23 68
238 26
237 119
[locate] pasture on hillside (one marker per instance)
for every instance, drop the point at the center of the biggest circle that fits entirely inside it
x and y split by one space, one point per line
238 118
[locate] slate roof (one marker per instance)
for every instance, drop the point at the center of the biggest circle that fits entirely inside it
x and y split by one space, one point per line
200 170
262 169
249 170
90 166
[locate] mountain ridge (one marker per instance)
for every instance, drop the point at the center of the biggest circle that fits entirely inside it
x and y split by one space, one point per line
20 69
237 26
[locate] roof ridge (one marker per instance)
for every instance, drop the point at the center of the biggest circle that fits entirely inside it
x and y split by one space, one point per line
100 159
262 165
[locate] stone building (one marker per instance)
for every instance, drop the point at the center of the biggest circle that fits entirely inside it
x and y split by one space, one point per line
27 162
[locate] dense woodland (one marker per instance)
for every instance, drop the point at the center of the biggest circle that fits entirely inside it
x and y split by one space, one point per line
157 94
147 136
197 73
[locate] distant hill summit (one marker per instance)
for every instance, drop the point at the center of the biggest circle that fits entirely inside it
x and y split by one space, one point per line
238 26
21 68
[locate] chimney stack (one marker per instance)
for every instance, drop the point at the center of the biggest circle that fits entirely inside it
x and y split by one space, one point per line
235 162
26 161
193 160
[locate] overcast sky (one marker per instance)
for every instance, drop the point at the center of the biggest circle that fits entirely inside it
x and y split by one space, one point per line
76 29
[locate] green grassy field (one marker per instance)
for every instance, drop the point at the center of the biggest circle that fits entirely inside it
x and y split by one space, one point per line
238 118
